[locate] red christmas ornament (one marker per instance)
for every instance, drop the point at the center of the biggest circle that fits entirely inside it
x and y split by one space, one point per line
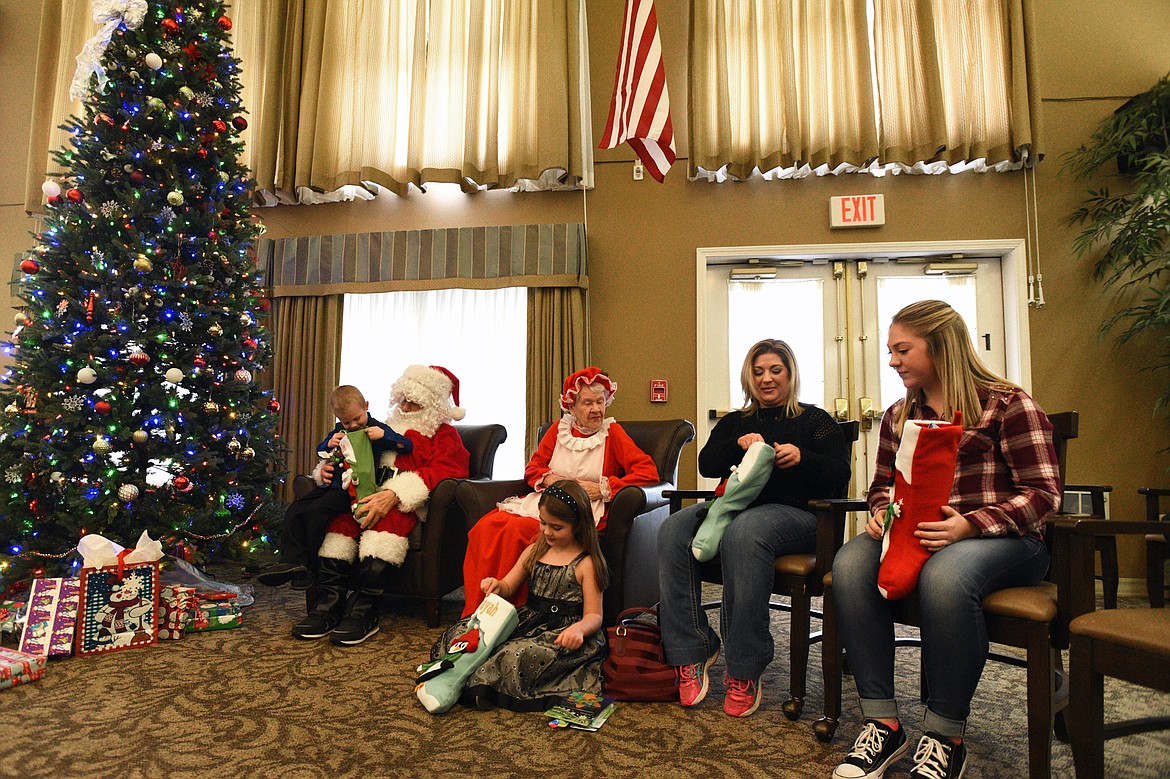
192 51
209 137
139 358
55 201
264 304
30 266
250 343
137 178
74 195
224 23
219 125
182 483
274 405
240 123
102 407
212 235
201 153
170 26
199 361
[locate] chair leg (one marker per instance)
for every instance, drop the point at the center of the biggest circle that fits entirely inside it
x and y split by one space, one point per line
831 669
1086 711
433 608
800 625
1156 574
1107 546
1041 693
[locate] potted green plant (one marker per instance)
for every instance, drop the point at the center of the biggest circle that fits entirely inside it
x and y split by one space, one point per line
1127 230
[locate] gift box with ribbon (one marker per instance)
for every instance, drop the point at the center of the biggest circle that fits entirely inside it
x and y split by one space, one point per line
11 619
176 610
51 621
216 611
19 667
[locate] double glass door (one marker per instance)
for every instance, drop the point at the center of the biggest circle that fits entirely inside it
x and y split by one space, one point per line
835 313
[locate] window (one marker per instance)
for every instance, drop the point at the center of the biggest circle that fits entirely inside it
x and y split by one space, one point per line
479 335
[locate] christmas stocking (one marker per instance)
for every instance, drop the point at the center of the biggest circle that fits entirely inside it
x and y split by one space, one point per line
441 682
741 488
924 471
358 476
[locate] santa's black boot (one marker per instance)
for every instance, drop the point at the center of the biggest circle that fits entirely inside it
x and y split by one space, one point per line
362 612
333 579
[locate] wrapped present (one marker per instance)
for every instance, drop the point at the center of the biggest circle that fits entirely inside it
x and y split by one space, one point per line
51 620
119 607
19 667
11 619
216 611
176 609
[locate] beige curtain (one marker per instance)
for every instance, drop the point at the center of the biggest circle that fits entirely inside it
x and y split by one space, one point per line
779 85
306 365
480 93
558 344
786 88
954 80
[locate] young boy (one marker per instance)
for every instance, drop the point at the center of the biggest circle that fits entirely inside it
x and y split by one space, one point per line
307 517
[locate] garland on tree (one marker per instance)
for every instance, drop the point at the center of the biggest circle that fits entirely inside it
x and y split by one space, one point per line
133 403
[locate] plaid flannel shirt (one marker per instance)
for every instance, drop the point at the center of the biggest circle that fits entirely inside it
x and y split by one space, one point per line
1007 480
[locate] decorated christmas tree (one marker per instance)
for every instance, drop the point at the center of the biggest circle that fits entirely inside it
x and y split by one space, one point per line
133 403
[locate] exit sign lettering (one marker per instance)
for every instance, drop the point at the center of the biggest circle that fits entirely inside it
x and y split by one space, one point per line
857 211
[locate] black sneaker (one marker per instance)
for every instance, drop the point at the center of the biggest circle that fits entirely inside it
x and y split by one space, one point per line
877 748
352 631
315 625
937 757
282 573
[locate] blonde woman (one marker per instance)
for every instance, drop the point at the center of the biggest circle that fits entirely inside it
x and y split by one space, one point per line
991 536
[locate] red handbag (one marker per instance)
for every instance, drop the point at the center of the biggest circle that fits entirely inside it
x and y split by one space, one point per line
635 667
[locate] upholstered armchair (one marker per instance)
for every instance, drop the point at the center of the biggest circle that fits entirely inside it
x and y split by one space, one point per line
629 542
434 560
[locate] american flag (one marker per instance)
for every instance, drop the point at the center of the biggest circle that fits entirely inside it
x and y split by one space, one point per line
639 112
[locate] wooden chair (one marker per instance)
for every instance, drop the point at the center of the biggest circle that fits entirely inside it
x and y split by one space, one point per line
799 577
1128 644
1027 618
629 542
434 559
1157 547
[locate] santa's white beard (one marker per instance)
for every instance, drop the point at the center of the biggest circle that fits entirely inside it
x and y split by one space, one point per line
425 420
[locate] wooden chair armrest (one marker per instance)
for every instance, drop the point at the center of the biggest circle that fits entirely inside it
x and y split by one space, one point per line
831 514
1157 491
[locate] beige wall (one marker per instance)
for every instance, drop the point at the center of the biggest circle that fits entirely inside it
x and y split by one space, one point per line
643 236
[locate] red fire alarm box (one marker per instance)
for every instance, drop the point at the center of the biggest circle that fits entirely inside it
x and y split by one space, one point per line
658 390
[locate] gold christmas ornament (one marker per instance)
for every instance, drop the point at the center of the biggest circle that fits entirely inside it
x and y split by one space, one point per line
140 436
11 409
142 264
247 453
102 446
233 446
211 407
215 330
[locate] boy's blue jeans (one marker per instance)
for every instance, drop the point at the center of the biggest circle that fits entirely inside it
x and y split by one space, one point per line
951 588
748 553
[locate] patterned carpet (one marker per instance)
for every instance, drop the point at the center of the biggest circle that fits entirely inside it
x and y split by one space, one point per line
254 702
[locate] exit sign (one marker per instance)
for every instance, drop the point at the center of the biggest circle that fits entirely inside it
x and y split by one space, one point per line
857 211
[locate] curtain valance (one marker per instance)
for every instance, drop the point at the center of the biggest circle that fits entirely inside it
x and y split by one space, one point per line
546 255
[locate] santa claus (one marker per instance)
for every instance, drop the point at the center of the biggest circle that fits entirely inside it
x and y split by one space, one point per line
373 539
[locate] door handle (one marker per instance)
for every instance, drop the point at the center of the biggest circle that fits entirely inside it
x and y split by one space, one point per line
840 409
867 413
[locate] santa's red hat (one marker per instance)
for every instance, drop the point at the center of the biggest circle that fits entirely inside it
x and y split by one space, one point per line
584 378
432 387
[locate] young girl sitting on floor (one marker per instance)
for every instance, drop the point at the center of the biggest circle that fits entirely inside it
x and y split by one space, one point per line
558 645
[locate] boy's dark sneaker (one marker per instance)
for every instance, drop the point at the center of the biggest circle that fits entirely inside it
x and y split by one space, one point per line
315 625
302 579
352 631
937 757
282 573
876 749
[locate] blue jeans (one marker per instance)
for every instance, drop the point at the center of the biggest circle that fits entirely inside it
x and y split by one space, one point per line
748 553
951 588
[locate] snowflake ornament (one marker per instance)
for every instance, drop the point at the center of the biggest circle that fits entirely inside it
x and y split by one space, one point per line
109 208
202 99
156 144
185 323
234 501
170 47
14 475
167 214
73 403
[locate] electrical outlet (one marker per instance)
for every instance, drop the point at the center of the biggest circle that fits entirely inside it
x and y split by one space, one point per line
639 171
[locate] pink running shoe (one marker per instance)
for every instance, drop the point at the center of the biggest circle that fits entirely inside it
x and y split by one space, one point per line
743 697
694 680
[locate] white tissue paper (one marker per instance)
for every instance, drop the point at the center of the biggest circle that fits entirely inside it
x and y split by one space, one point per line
98 551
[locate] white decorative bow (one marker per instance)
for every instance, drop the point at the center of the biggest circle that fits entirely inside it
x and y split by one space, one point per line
109 14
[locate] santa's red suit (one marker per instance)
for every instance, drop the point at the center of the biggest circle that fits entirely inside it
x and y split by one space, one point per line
347 606
433 458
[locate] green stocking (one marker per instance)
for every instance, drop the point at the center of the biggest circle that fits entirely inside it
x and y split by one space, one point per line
361 463
743 486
